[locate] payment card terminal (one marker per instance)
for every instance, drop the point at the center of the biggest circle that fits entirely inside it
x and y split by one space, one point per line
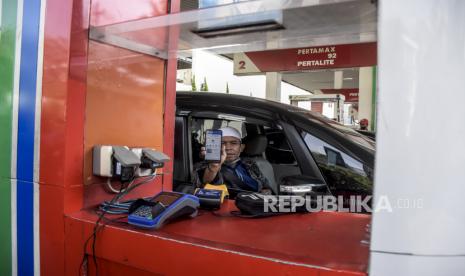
164 207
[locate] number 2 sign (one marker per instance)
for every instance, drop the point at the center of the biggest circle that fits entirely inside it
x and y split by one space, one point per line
242 65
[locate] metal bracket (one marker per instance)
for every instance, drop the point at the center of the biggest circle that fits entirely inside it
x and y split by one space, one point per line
118 41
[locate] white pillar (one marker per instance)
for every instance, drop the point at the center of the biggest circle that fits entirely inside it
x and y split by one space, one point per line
365 92
338 108
273 86
338 79
420 154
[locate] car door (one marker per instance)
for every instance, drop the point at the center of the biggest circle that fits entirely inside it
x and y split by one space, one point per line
182 167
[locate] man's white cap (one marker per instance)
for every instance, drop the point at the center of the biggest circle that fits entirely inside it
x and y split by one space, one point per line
230 131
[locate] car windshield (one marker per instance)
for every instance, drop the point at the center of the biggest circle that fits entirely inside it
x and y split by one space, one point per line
353 135
346 131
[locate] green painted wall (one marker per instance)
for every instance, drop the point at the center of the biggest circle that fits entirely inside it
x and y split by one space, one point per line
373 98
7 64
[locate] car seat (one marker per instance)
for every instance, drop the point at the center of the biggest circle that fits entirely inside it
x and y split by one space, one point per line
255 147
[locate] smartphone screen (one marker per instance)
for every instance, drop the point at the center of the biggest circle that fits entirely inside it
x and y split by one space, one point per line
213 145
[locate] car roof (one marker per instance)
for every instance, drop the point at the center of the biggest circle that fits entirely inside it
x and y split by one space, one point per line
229 102
270 110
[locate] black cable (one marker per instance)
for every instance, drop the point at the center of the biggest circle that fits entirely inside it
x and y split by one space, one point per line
118 196
124 190
122 207
94 235
117 219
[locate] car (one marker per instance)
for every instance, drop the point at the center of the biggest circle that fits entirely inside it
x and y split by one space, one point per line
367 133
293 145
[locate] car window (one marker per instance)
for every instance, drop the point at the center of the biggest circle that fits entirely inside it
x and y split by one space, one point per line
344 174
200 125
278 150
348 133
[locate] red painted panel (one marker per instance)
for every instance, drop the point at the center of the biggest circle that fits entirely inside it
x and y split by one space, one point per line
77 89
75 130
62 117
74 249
63 107
106 267
124 102
318 57
170 100
282 245
52 235
105 12
54 91
62 133
63 92
124 106
159 255
73 199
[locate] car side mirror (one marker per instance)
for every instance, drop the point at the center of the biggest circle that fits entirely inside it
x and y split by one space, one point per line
302 185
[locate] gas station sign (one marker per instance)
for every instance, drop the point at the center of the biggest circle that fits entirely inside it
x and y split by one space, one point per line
306 58
351 94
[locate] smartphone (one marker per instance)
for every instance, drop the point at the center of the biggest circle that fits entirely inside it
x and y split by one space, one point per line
213 139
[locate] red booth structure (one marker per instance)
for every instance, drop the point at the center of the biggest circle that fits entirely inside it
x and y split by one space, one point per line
221 244
93 93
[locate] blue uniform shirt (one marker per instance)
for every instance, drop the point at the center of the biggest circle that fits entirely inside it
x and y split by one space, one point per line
243 175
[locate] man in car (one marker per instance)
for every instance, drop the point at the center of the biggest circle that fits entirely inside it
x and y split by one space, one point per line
232 170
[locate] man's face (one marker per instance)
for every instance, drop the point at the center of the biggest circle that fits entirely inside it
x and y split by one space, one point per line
233 148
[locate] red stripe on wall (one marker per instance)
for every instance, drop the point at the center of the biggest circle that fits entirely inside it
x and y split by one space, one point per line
62 121
63 114
170 100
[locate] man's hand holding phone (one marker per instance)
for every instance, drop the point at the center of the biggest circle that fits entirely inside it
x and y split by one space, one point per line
217 165
214 153
214 167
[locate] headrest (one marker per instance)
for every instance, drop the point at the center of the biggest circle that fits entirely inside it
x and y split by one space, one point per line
255 145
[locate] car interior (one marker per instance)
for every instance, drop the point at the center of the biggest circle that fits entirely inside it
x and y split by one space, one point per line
265 142
273 146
